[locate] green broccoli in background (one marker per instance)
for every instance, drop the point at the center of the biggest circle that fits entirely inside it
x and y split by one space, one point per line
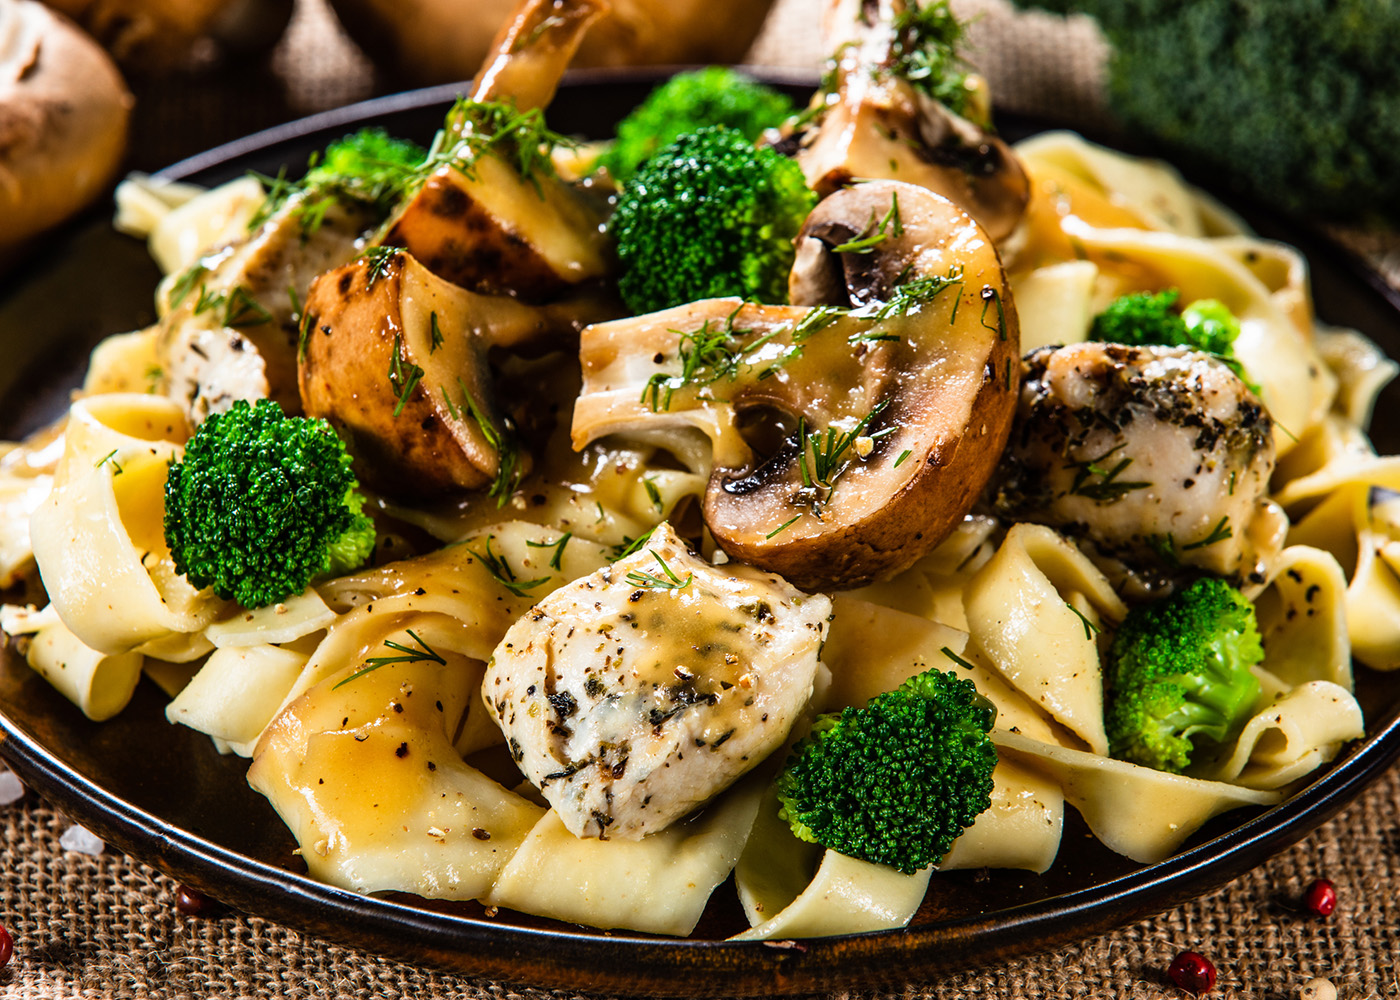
897 781
716 95
1178 673
1296 102
710 215
1141 318
262 504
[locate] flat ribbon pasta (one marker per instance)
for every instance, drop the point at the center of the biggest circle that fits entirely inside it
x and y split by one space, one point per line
237 692
1304 729
1302 618
1136 811
99 538
1362 371
100 684
1019 614
26 479
363 770
659 884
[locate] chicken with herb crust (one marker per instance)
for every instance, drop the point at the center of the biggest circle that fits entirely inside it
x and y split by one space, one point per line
636 694
1156 456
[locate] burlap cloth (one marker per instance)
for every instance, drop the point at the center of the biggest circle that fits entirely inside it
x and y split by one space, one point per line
107 926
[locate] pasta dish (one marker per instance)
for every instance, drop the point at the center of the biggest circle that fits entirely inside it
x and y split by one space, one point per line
529 559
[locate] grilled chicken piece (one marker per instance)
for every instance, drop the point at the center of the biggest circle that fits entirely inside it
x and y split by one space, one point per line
1158 456
227 329
636 694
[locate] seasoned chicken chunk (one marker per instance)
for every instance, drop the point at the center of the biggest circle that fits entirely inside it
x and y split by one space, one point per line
640 692
1157 456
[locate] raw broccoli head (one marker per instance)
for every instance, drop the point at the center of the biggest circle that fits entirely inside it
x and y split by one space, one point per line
1143 318
897 781
1179 673
262 504
1296 102
709 216
689 101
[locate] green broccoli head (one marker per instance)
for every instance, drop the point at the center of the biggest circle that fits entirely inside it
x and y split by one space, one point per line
1295 103
716 95
897 781
1179 673
262 504
1146 318
708 216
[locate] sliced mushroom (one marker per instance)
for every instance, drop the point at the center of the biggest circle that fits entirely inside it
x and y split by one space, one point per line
479 223
228 330
884 421
880 126
396 358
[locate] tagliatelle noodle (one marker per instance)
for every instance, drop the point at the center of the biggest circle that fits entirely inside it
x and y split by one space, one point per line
1302 618
99 538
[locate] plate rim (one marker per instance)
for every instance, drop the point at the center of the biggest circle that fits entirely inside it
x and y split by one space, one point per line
569 959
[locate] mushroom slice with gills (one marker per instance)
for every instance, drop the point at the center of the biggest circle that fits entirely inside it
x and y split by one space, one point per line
494 216
227 329
636 694
891 414
879 125
396 359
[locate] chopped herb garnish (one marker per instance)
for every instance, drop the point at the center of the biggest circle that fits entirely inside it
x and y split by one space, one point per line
1219 533
404 376
185 283
902 456
434 333
500 439
379 259
828 451
109 459
956 658
1164 546
1090 629
240 309
653 494
784 526
874 233
990 295
501 572
558 546
517 138
653 582
424 653
1108 489
631 545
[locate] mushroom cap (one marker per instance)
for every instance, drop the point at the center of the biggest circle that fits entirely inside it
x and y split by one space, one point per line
882 399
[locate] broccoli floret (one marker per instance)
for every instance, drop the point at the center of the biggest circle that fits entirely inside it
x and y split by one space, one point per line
370 166
897 781
1296 102
708 216
1141 318
1178 673
689 101
262 504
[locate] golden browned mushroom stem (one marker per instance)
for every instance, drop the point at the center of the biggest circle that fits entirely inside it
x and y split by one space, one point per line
532 50
890 415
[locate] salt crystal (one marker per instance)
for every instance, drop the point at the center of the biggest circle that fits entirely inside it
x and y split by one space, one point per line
11 789
81 841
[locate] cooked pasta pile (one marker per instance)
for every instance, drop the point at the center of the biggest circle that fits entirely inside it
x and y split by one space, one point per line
360 702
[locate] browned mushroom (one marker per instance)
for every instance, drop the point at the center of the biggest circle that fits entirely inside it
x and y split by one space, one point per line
878 125
853 431
396 358
480 220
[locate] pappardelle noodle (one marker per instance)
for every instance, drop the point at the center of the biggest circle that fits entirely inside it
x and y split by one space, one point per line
1040 476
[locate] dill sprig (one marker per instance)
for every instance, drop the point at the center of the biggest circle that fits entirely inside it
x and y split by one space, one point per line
501 572
424 653
557 545
519 139
651 581
874 232
630 545
1090 629
379 259
828 451
500 439
1108 489
404 375
1219 533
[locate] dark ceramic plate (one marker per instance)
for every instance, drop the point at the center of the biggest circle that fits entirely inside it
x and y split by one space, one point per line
162 794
